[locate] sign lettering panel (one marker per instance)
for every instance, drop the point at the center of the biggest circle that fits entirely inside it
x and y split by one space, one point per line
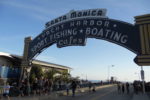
73 29
75 32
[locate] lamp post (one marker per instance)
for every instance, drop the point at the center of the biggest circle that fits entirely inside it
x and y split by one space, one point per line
86 78
142 78
109 72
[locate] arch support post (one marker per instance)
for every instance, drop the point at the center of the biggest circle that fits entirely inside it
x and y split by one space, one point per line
143 23
25 63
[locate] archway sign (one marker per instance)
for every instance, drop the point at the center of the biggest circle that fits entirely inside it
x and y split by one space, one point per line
73 29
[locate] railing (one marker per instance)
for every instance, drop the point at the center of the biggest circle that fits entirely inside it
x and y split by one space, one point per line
63 87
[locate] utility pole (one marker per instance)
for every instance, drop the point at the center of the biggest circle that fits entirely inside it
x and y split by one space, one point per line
109 72
86 77
142 78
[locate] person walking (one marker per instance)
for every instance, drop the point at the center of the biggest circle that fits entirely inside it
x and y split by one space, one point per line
6 91
35 86
93 89
90 86
51 85
40 85
67 88
127 87
123 89
135 86
119 88
73 86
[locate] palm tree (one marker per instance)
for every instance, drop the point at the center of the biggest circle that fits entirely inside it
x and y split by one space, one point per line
36 72
65 76
50 74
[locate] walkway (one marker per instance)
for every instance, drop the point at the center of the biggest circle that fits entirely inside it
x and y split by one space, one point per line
106 92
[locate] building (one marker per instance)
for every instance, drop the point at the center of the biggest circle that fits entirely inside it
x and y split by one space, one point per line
10 66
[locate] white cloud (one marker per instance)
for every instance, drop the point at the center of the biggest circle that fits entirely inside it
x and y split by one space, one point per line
35 11
10 51
28 7
41 17
47 58
13 36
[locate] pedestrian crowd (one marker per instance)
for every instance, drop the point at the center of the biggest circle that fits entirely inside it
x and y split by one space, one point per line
137 87
6 90
75 84
123 87
43 86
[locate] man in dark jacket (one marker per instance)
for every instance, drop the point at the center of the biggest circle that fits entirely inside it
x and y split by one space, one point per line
73 86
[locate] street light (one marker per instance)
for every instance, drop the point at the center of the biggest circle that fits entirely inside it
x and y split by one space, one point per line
109 72
142 78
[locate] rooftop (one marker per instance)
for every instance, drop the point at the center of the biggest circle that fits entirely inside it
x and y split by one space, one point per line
34 61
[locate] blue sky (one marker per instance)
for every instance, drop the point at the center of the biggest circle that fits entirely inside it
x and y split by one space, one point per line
22 18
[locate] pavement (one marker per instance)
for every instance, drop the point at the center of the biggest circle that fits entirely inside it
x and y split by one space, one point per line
141 96
55 95
59 94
